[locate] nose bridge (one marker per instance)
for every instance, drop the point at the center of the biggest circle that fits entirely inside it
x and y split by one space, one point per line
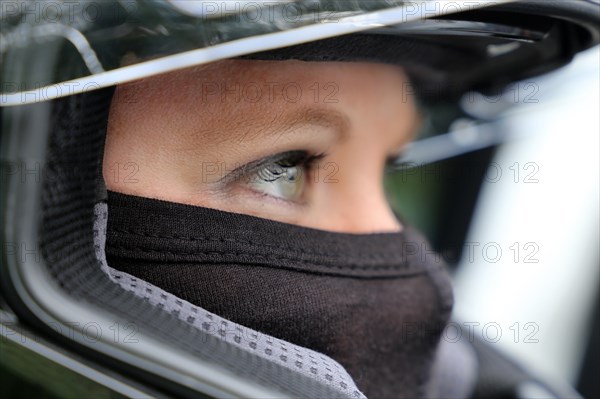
360 206
370 213
355 200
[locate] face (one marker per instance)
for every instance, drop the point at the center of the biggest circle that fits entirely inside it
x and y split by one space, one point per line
305 143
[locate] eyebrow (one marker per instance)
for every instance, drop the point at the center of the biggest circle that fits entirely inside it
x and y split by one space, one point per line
338 121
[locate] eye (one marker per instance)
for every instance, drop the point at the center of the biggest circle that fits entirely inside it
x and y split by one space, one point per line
284 182
283 176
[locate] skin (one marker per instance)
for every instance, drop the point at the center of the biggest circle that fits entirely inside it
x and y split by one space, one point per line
177 136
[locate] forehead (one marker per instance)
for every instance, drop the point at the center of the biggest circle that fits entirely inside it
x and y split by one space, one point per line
254 96
256 104
256 83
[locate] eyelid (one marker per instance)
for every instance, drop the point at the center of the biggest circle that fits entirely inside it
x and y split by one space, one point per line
256 165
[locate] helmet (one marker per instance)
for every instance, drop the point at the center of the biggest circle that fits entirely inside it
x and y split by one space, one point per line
59 63
51 50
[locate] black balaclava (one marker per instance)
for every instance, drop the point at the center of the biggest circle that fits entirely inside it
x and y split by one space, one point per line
376 303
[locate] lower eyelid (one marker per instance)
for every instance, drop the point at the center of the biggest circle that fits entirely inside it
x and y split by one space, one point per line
263 196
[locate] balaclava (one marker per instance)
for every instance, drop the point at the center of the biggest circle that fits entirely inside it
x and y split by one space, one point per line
376 303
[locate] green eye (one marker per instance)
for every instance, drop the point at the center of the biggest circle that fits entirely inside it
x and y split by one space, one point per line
283 176
281 179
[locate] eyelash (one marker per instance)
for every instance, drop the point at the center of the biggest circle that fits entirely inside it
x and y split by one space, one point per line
284 162
392 165
272 168
275 167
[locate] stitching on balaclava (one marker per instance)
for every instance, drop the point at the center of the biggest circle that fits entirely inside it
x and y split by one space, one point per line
303 360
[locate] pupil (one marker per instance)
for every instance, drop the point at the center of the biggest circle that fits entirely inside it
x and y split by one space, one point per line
291 174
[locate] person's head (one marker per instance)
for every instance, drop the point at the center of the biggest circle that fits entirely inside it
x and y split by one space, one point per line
300 142
296 127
